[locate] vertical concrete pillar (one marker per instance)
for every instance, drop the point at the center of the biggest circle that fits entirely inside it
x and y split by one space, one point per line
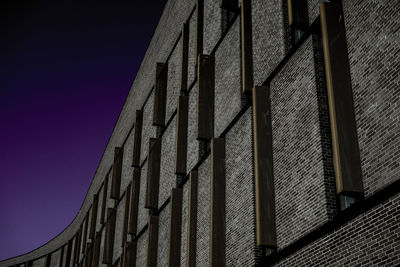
117 171
184 56
217 209
134 206
137 139
263 167
175 228
152 241
347 163
109 236
205 97
160 94
153 173
181 135
247 46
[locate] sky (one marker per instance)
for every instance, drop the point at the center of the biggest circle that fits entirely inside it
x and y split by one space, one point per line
66 68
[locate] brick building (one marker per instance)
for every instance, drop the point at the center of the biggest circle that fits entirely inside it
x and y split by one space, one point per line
256 133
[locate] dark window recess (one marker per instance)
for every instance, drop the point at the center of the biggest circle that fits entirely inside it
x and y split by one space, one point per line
298 18
227 17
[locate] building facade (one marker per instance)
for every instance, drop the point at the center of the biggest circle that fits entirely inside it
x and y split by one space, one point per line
256 133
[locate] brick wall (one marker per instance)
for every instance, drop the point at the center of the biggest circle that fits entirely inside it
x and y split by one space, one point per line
371 239
298 159
372 30
304 179
240 235
143 213
173 84
118 229
141 250
268 39
167 169
127 170
148 130
203 215
162 251
193 144
212 25
227 79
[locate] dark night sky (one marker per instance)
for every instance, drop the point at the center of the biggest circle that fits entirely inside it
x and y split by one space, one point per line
66 68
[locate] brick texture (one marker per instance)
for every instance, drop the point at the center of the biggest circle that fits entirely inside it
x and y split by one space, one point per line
173 84
167 171
118 230
298 159
227 80
372 30
162 251
212 25
141 250
268 39
127 169
148 130
143 214
371 239
193 144
240 235
203 215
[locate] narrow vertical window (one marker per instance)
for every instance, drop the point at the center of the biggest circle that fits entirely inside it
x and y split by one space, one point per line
160 94
181 135
228 11
298 18
346 154
199 28
117 171
247 46
93 219
184 56
137 139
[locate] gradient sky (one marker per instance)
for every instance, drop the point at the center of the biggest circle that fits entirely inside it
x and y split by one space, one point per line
66 68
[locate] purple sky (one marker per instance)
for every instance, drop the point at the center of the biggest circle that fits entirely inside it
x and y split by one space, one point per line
66 68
